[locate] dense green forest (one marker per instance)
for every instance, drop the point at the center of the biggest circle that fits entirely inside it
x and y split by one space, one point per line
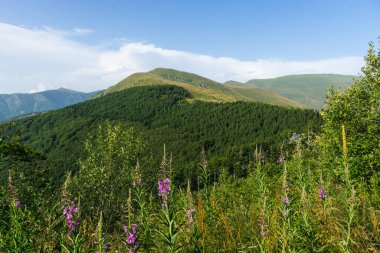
260 185
229 132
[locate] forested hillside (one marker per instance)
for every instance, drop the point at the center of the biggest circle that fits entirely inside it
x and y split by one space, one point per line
168 115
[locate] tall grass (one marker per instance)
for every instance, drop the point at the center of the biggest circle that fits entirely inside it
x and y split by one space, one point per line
291 206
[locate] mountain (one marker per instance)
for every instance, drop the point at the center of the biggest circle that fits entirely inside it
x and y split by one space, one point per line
18 104
309 89
167 114
202 88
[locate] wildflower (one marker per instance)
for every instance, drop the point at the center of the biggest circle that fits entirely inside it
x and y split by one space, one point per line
263 229
286 200
281 160
285 213
263 226
322 193
131 237
69 213
18 203
190 214
106 248
164 190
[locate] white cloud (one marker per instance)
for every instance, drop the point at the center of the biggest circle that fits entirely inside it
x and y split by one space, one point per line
40 87
83 31
33 56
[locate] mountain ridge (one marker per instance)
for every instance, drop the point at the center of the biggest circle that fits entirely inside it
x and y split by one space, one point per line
308 89
200 87
19 104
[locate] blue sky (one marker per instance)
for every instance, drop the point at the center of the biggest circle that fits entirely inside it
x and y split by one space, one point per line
223 40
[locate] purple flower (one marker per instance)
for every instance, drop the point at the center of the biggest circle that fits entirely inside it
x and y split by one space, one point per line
73 209
322 193
286 200
284 213
131 237
18 203
106 248
190 214
134 228
263 226
69 213
164 190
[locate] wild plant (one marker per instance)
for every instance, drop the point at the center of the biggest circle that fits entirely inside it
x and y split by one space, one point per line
350 199
101 246
132 238
144 212
71 240
18 230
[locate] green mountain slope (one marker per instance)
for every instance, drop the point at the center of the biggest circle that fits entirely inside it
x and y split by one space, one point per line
165 115
15 105
264 96
308 89
201 88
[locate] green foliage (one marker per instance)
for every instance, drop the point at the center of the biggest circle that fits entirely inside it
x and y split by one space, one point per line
105 172
358 110
163 115
232 215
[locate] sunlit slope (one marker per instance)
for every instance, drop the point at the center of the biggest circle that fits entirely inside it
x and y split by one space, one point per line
307 89
201 88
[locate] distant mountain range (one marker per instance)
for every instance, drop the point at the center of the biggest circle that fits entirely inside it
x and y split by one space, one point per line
309 90
18 104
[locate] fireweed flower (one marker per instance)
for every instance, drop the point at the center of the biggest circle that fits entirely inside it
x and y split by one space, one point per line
263 226
322 193
69 214
17 203
190 214
131 237
164 190
263 229
286 200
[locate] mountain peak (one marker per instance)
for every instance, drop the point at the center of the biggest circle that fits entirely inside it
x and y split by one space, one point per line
66 90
